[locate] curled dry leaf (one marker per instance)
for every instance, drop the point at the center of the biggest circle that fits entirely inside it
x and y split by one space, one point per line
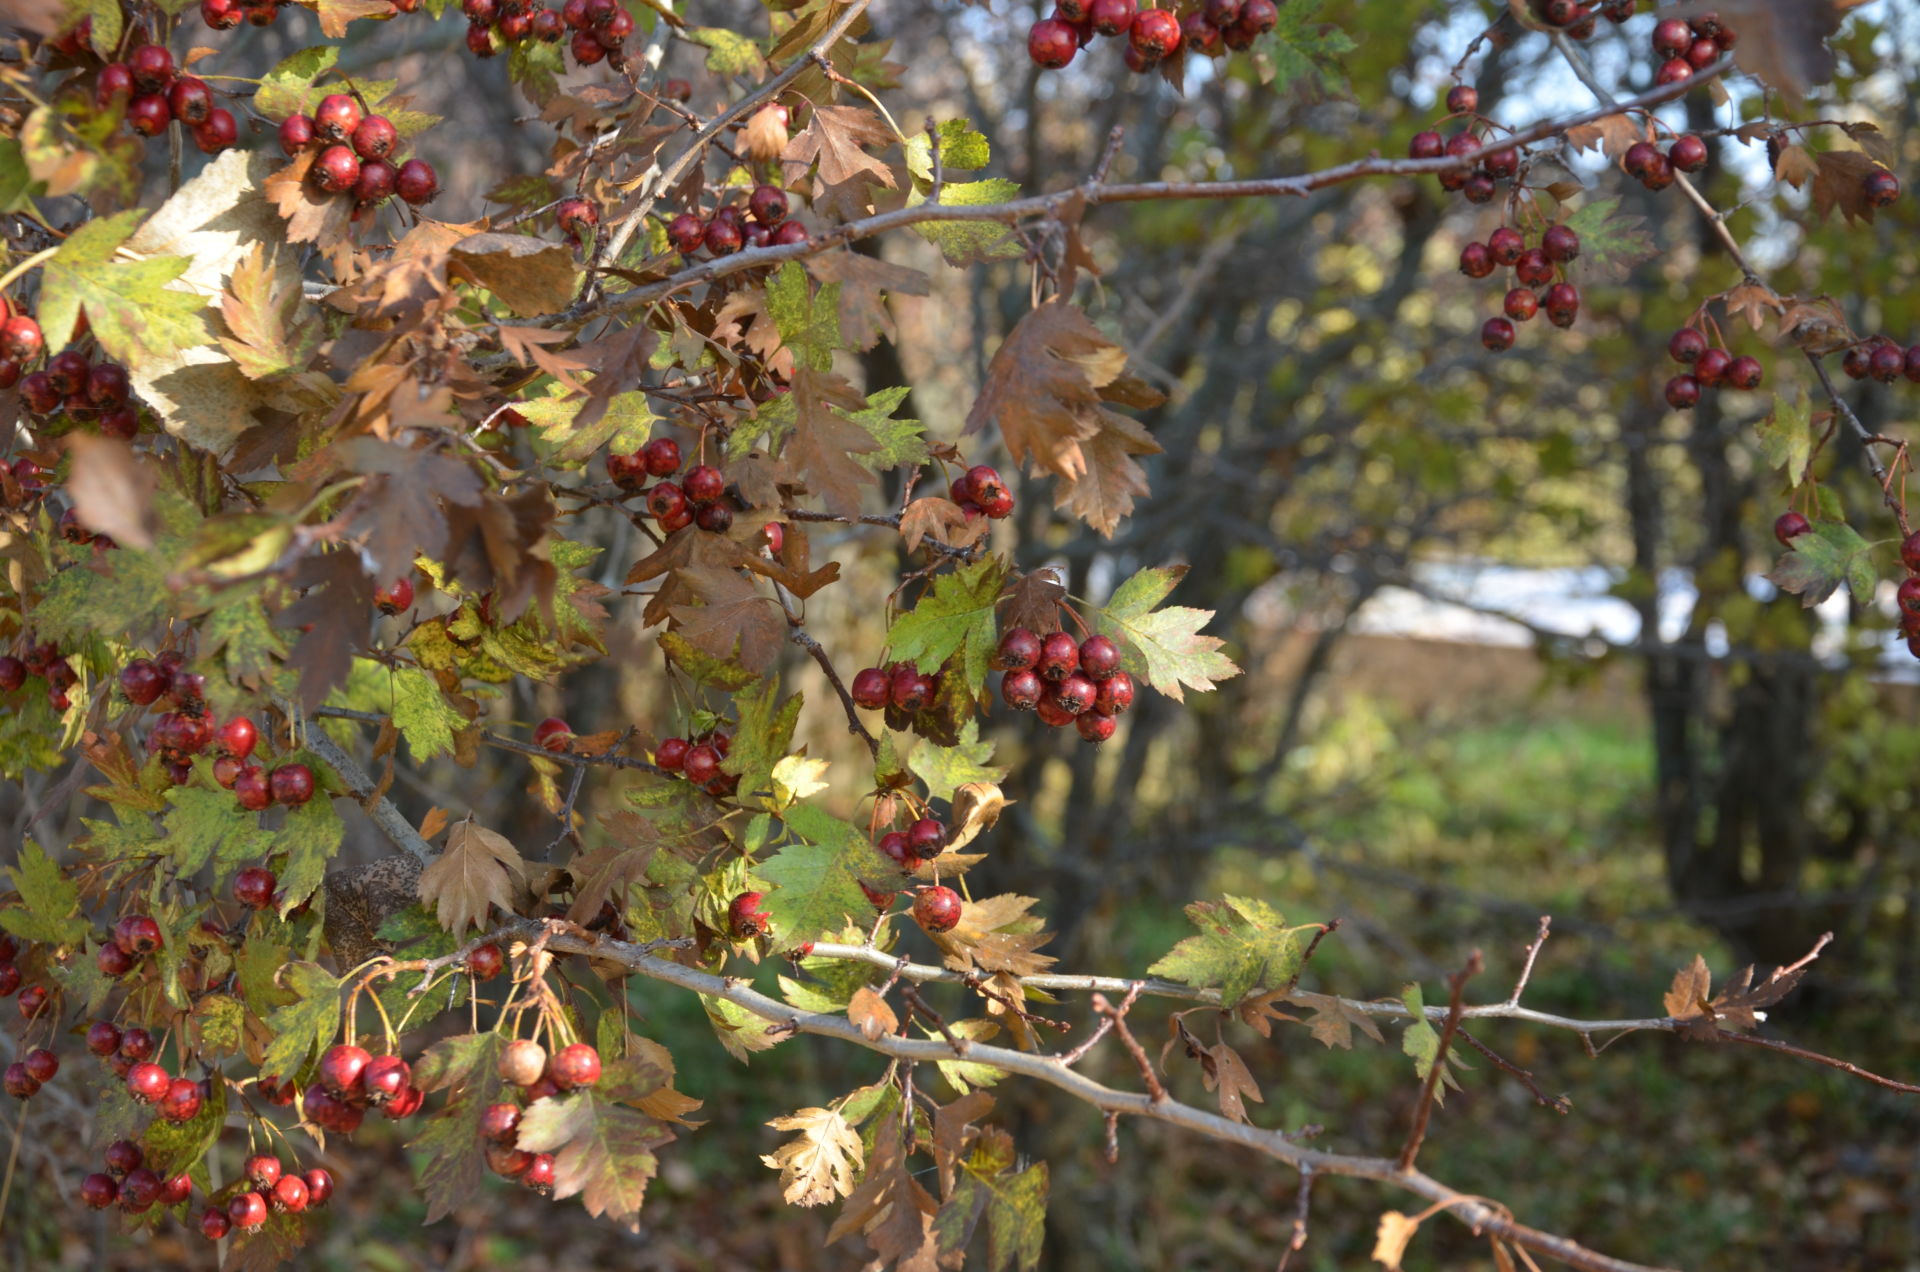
1390 1239
112 490
976 807
871 1015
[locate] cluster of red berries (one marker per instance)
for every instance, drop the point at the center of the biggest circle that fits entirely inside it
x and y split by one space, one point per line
1533 268
175 1099
354 154
526 1065
25 1076
600 27
1209 29
900 689
1710 368
134 938
1065 681
70 382
1907 596
351 1080
1654 169
1879 358
127 1182
155 95
924 840
763 224
188 728
699 498
1480 183
43 660
980 493
1689 46
270 1186
698 760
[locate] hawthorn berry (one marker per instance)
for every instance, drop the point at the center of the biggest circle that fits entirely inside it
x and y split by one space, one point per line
137 934
41 1064
289 1194
1789 526
21 338
394 597
176 1190
10 975
499 1123
1711 368
508 1162
1533 268
715 518
880 900
147 1082
291 784
1019 649
376 183
182 1101
548 27
384 1078
336 117
666 500
148 114
136 1043
1463 99
1521 304
98 1191
553 733
702 764
417 182
685 232
103 1037
1479 188
574 1066
247 1210
926 838
190 100
577 218
661 457
1882 187
214 1224
1907 596
703 483
1688 153
18 1083
1686 345
342 1069
1021 689
139 1190
262 1170
722 237
251 789
1562 303
1094 727
1059 657
1683 392
539 1173
1561 243
108 384
1497 334
1886 363
937 909
1745 372
910 689
253 887
893 846
336 170
13 673
1426 145
484 962
1155 33
1476 260
113 83
523 1061
151 66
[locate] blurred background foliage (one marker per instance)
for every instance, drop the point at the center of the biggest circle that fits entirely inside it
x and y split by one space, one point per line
1733 779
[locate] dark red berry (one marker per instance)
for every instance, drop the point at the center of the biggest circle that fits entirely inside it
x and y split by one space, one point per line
289 1194
342 1069
937 909
702 764
1710 369
253 887
247 1210
722 237
1686 346
291 784
1688 153
336 170
251 789
1497 334
136 1043
926 838
703 484
139 1190
1882 187
262 1170
578 1064
1094 727
1683 392
148 114
553 733
417 182
1155 33
182 1101
1521 304
214 1224
385 1077
1789 526
686 233
1533 268
319 1186
893 846
1886 363
190 100
1019 649
1021 689
99 1191
151 66
1426 145
336 117
147 1082
1476 260
137 934
41 1064
661 456
671 754
485 962
910 689
1745 372
1462 99
1059 657
500 1122
1562 303
103 1037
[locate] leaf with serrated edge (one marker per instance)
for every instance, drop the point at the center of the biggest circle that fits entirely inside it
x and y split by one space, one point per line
1243 945
477 869
1163 647
819 1164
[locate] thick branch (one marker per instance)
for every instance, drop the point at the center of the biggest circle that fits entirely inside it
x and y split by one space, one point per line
392 823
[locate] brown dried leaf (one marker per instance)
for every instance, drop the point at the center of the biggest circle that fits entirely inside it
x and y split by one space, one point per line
312 217
1752 301
733 620
1688 995
604 873
864 282
1334 1020
835 138
434 822
1739 1004
112 490
824 441
1841 182
1032 601
976 807
871 1015
940 518
1783 42
1258 1013
1103 495
1819 326
996 934
1795 166
529 275
1042 387
819 1165
1868 137
951 1126
1610 134
890 1206
477 869
1235 1083
336 14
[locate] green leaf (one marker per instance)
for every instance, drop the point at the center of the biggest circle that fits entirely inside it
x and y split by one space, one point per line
536 66
816 882
970 242
126 592
308 841
242 632
947 768
602 1151
955 618
198 821
1163 647
17 186
1301 50
703 668
761 739
901 441
134 315
728 52
1422 1042
290 88
1243 945
255 966
48 901
423 715
453 1170
1014 1203
809 324
306 1024
624 426
172 1147
1820 561
1786 437
961 150
1610 245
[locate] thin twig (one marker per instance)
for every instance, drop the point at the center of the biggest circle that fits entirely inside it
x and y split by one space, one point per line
855 725
1533 952
1456 1004
1100 1031
1118 1015
1301 1203
1558 1103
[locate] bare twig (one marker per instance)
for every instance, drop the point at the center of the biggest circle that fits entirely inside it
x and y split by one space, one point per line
1301 1204
1558 1103
1456 1004
1118 1017
1100 1031
1533 952
800 636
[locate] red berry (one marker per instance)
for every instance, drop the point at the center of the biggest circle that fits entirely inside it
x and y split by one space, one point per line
1533 268
384 1078
1257 17
247 1210
262 1170
291 784
1908 595
1099 657
1686 346
1075 694
147 1082
745 918
1155 33
336 170
18 1083
776 536
148 114
377 181
417 182
548 27
722 237
112 961
214 1224
251 789
182 1101
522 1062
1673 71
1094 727
577 218
1688 153
139 1190
1021 690
1882 187
661 456
1059 657
1562 303
99 1191
142 682
499 1122
253 887
103 1037
137 934
686 233
485 962
1672 37
1019 650
937 909
553 733
1462 99
1886 363
703 484
290 1194
666 501
115 82
702 764
881 901
1497 334
768 204
1561 243
1521 304
910 689
151 66
1745 372
1789 526
893 846
319 1186
575 1066
190 100
395 597
671 754
41 1064
1683 392
176 1190
716 518
10 975
136 1043
926 838
1711 368
539 1173
1426 145
336 118
1476 260
342 1070
508 1162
